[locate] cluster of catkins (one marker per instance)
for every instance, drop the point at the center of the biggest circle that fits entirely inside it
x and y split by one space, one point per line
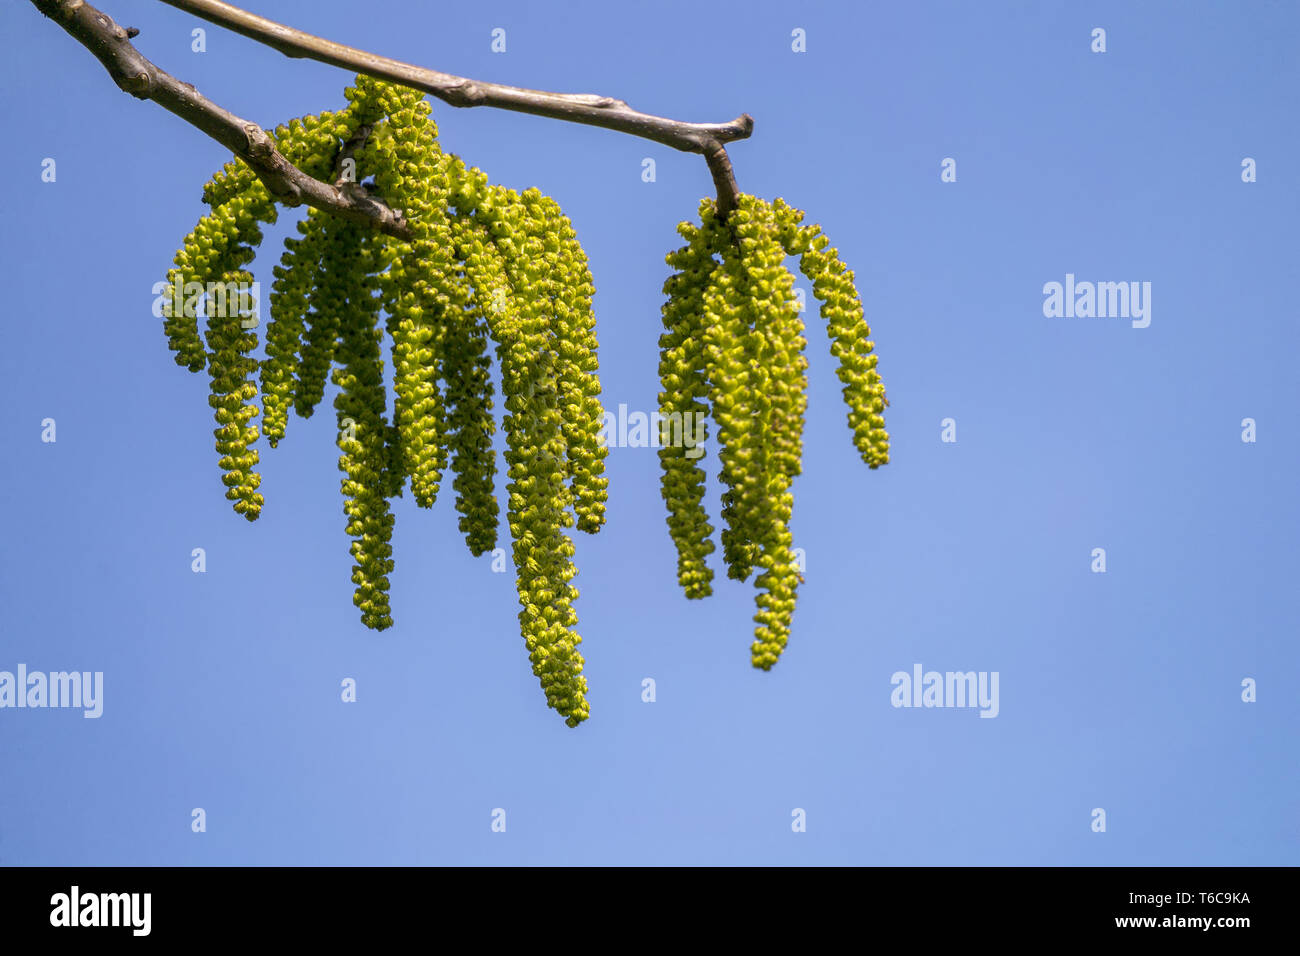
734 346
484 263
481 263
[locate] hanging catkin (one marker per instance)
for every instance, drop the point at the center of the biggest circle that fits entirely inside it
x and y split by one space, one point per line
480 270
733 344
684 400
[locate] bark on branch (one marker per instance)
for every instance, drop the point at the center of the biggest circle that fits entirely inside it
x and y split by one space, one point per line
136 75
710 139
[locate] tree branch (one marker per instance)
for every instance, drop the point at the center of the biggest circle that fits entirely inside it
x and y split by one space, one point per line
710 139
136 75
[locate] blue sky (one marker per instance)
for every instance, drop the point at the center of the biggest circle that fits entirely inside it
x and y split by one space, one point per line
1120 691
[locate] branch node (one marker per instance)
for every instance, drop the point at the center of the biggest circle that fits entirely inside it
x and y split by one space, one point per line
259 144
137 84
464 93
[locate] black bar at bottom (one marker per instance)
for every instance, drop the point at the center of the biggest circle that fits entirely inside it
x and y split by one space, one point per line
302 904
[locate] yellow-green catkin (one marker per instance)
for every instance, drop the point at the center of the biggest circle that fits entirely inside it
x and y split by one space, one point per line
538 493
734 344
851 344
312 142
231 398
363 430
195 262
375 159
209 279
569 287
206 254
490 301
736 394
779 344
470 425
483 263
229 181
295 278
298 362
320 338
683 400
214 256
412 177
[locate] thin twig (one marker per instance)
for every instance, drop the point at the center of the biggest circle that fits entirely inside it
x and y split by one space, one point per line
136 75
710 139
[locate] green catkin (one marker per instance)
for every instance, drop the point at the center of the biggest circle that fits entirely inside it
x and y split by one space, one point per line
851 344
538 496
412 177
501 240
765 379
737 397
181 308
302 297
394 478
214 257
683 401
320 340
312 142
295 277
779 344
375 158
309 143
209 280
205 255
490 300
484 262
777 584
733 328
363 430
230 368
570 288
229 181
470 425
